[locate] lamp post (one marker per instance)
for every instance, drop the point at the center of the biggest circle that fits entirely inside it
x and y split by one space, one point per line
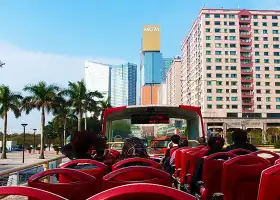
24 125
35 129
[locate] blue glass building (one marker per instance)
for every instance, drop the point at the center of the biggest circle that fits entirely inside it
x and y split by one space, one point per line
153 66
123 84
167 62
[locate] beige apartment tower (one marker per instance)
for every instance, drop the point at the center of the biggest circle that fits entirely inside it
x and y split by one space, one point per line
231 68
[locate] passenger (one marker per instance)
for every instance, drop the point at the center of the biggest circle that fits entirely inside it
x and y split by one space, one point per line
239 138
174 143
201 141
175 140
183 142
67 149
166 155
133 147
215 144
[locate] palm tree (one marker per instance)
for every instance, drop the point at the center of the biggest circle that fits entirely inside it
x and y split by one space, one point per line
103 105
63 113
80 99
42 97
9 101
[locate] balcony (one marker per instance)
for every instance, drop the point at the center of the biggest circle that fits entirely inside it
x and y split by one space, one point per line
246 49
247 110
247 94
247 87
246 72
245 20
248 103
246 80
245 42
245 34
245 27
244 56
245 64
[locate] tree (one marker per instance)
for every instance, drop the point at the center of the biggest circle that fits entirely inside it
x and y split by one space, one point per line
122 128
103 105
80 99
9 101
93 124
42 97
273 132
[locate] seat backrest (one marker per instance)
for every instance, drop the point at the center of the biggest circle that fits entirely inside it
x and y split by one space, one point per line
136 174
141 191
92 167
172 150
269 184
240 151
136 162
212 173
29 192
277 162
82 187
269 155
241 177
178 157
115 153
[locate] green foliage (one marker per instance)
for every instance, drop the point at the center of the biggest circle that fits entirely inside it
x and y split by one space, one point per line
122 128
255 136
229 137
277 145
93 124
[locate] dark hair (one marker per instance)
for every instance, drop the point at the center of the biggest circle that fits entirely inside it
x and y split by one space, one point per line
175 139
239 136
201 140
215 143
99 144
183 142
133 147
82 141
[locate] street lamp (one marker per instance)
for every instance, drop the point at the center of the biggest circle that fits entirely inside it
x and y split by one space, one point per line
35 129
24 125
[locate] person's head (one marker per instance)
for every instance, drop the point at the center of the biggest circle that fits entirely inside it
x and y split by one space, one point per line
134 147
183 142
82 142
170 145
239 136
175 139
215 143
201 140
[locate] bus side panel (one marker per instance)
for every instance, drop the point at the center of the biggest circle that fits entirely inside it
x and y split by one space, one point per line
194 128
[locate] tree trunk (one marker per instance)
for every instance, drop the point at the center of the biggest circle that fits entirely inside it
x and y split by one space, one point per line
79 119
49 144
64 131
42 133
4 143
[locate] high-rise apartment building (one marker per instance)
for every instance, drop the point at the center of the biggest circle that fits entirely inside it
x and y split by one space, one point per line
166 65
173 83
97 77
231 68
123 82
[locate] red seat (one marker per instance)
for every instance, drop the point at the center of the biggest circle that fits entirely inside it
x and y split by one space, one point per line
136 174
29 192
142 191
178 161
212 173
82 187
269 185
277 162
272 160
115 153
240 151
241 177
173 149
97 169
136 161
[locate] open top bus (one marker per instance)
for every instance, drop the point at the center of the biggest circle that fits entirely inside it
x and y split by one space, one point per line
154 115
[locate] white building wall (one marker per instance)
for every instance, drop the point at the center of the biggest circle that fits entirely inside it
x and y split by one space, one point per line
162 94
119 86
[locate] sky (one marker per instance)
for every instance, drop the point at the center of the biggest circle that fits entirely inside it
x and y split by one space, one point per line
50 40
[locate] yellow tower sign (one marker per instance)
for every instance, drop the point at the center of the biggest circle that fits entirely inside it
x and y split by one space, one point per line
151 38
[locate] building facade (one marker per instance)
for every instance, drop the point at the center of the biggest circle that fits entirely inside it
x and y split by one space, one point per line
173 83
97 77
166 65
162 94
149 94
153 67
231 68
123 84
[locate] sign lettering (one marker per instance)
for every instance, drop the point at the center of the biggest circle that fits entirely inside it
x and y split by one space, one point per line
151 29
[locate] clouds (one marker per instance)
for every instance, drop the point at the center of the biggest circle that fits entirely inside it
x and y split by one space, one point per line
24 67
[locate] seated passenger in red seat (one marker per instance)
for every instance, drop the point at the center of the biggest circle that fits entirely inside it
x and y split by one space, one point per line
239 138
215 144
173 144
182 143
134 147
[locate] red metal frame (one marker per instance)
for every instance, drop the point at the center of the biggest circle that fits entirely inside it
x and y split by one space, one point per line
29 192
240 151
141 191
271 160
122 163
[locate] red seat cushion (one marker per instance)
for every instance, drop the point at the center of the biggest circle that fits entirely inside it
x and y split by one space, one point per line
273 156
240 151
136 161
241 177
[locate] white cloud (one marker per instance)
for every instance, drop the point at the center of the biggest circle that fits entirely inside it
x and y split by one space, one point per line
24 67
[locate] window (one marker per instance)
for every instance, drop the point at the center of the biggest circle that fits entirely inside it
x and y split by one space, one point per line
267 76
219 91
218 67
266 68
276 46
208 37
268 99
233 75
232 30
259 99
207 30
208 67
274 24
259 91
265 53
207 15
232 45
209 91
218 37
258 68
226 37
233 90
218 60
259 106
265 46
266 60
255 16
277 76
207 22
233 67
274 17
219 75
209 106
225 16
232 38
275 38
257 46
234 98
276 53
233 83
208 44
257 53
208 60
257 60
216 15
208 52
265 38
225 23
209 98
277 91
217 30
277 83
256 38
258 83
275 31
219 106
267 92
219 83
231 23
278 99
256 30
233 60
264 17
277 106
277 61
218 45
231 16
218 52
217 23
264 23
233 53
255 23
258 76
219 98
267 83
265 32
209 75
268 106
